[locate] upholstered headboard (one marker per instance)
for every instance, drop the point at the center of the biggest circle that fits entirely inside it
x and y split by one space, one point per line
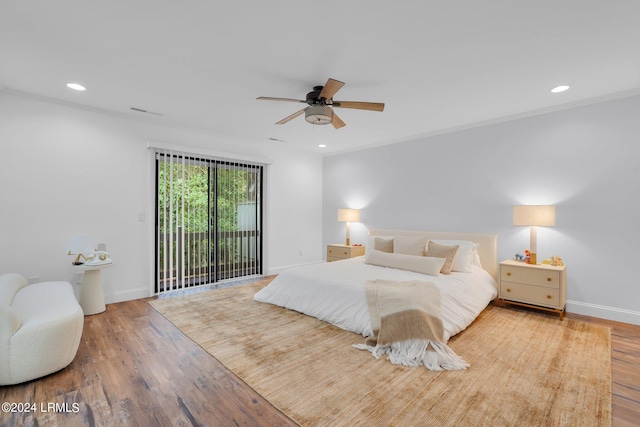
487 243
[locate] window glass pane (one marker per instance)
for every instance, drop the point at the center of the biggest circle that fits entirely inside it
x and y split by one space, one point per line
208 220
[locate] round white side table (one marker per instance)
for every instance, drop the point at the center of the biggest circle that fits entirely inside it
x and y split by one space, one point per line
91 294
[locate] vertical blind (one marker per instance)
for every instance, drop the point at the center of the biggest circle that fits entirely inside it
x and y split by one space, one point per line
208 220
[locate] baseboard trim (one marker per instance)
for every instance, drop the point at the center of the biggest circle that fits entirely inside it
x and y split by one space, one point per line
128 295
604 312
278 270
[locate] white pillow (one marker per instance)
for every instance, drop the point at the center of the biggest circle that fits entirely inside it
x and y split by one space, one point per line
476 256
419 264
409 245
464 258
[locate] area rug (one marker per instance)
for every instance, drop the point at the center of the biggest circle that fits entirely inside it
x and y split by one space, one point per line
526 368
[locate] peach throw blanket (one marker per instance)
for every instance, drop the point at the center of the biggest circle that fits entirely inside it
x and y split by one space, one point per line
407 325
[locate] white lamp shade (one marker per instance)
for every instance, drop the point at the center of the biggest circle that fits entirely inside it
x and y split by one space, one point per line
538 215
80 245
348 215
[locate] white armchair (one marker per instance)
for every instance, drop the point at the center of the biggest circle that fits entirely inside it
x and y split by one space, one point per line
40 328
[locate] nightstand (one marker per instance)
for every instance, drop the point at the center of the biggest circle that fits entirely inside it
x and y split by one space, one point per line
540 286
339 252
91 294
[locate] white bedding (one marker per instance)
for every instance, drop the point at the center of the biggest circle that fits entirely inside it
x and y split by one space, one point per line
335 292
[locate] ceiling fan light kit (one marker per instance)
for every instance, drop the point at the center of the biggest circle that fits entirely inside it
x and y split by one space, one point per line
321 103
319 115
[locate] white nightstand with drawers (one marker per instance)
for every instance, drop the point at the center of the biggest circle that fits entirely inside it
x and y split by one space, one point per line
338 252
540 286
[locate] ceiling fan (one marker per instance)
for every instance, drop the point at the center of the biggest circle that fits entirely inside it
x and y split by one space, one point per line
320 100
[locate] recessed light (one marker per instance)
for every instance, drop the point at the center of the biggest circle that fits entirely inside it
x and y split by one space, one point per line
560 88
322 145
76 86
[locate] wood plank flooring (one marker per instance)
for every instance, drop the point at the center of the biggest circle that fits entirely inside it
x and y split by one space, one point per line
625 369
134 368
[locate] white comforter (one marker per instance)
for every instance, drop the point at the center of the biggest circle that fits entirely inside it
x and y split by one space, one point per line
335 292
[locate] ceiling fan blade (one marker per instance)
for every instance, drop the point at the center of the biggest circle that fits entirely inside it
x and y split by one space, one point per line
291 117
330 88
268 98
337 121
371 106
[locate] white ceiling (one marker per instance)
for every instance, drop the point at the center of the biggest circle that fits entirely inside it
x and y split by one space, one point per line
437 65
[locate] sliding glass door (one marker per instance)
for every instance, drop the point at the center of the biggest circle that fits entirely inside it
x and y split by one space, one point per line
208 221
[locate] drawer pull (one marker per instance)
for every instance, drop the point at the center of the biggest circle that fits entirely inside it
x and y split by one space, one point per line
508 273
549 279
345 252
548 296
330 251
508 289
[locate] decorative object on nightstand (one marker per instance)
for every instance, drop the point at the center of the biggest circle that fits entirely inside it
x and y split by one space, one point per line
534 216
348 216
339 252
79 246
541 286
99 257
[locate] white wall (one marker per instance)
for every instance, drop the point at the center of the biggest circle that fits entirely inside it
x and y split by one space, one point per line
67 172
583 160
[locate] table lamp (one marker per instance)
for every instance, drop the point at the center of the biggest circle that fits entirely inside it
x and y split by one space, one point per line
534 216
348 216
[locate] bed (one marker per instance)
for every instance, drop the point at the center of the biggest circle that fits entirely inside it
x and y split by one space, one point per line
334 292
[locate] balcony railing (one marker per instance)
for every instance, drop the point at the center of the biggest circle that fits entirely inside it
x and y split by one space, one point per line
187 259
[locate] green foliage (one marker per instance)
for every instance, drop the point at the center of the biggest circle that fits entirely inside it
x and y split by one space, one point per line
195 198
192 198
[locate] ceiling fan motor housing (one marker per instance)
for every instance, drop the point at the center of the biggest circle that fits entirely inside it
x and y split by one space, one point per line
312 97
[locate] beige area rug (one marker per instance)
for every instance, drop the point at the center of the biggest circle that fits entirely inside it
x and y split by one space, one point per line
526 368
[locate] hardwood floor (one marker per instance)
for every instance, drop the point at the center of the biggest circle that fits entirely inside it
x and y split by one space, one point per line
134 368
625 369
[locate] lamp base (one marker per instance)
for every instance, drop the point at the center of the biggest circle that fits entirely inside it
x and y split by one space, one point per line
348 242
532 258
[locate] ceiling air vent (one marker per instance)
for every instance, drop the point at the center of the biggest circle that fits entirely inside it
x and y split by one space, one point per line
141 110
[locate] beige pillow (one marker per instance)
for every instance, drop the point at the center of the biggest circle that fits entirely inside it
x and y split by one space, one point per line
442 251
383 245
409 245
418 264
464 257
